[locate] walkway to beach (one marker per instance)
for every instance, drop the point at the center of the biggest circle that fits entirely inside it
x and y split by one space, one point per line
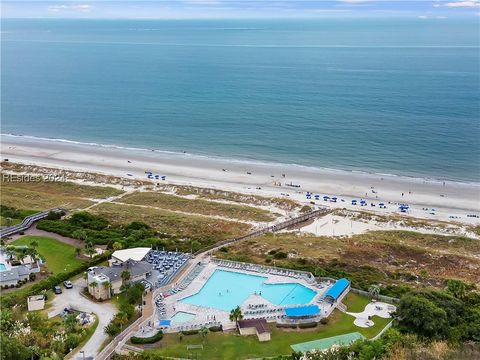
121 339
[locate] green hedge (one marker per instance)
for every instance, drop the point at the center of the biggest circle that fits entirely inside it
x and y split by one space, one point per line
147 340
215 328
190 332
307 325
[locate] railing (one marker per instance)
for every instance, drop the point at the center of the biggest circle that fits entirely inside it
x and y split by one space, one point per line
27 222
272 228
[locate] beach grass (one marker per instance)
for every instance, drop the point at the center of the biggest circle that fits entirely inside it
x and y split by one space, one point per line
26 199
46 195
197 206
204 229
388 257
59 257
215 194
230 345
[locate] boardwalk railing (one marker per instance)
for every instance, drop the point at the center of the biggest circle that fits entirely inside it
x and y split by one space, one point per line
27 222
121 338
273 228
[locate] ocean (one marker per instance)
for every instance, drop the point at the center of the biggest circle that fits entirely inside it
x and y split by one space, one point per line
397 96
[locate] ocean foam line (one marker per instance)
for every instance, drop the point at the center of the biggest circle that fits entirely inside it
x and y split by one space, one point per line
242 161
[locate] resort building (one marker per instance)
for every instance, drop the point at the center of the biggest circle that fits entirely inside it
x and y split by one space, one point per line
103 281
12 271
257 327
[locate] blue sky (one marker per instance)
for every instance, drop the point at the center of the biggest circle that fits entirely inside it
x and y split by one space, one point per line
225 9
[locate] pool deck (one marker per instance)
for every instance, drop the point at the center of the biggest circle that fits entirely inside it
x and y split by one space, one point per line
206 316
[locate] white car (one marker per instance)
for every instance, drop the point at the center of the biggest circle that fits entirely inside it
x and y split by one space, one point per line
68 284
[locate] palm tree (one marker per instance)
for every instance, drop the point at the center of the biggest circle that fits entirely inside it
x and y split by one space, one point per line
34 244
122 318
203 331
93 285
107 285
89 249
125 276
374 290
236 315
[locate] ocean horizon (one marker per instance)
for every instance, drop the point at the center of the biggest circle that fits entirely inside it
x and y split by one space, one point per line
393 97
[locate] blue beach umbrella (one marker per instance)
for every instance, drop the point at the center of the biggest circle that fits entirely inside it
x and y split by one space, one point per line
354 202
334 199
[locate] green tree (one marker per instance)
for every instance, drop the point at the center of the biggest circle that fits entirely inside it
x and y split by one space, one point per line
457 288
374 290
236 315
204 332
422 316
125 275
70 322
117 246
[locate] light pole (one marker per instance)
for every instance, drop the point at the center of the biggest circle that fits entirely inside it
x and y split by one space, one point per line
83 354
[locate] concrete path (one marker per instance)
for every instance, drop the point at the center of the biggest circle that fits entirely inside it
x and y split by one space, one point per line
74 299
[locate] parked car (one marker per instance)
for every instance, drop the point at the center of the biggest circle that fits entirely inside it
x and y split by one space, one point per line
68 284
57 290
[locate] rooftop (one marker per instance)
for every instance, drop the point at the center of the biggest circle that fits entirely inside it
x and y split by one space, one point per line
136 254
115 272
259 324
338 288
302 311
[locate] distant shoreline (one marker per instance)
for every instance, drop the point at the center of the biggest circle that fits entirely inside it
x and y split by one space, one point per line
444 202
241 162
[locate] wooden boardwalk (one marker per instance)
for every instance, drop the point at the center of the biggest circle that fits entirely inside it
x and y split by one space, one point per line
117 343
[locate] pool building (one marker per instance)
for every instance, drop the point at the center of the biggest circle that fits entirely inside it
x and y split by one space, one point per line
206 295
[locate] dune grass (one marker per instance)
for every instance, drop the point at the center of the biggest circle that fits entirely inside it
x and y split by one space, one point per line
46 195
198 206
204 229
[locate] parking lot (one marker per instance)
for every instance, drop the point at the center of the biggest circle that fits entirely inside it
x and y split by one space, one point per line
72 298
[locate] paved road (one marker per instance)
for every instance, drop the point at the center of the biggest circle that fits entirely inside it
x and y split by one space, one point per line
104 311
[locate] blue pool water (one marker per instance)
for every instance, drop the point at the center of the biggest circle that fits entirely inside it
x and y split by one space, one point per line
3 267
224 290
181 317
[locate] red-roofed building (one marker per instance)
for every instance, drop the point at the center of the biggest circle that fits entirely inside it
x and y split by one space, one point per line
257 327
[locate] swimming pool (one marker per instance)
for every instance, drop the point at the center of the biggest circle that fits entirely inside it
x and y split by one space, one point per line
224 290
2 267
181 317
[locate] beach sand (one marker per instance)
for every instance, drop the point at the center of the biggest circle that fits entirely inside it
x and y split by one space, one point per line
448 199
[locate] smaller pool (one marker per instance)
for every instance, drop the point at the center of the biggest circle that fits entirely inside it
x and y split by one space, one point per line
3 267
181 317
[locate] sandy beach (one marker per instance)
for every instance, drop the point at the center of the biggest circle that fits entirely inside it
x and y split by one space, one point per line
429 199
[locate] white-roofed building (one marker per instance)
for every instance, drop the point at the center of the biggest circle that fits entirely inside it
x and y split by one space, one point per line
135 254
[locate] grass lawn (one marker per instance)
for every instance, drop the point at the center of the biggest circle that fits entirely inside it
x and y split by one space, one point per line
229 345
355 303
59 257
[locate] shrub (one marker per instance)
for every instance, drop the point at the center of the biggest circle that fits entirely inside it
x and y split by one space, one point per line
324 321
32 276
288 326
280 255
190 332
307 325
147 340
215 328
